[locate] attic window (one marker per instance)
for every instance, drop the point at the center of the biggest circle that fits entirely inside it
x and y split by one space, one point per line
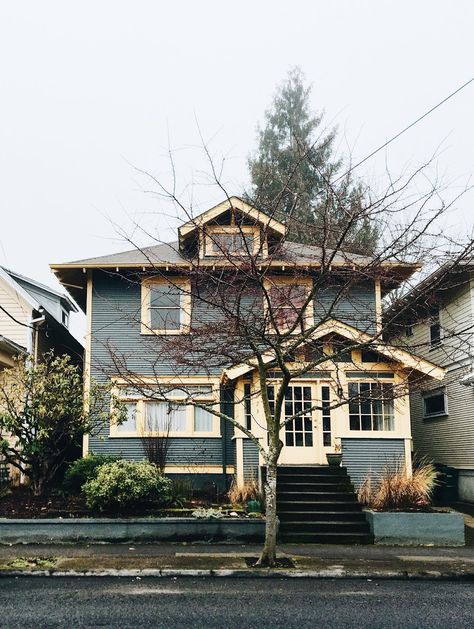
65 318
222 241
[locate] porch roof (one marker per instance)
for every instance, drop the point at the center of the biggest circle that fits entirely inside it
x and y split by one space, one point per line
334 326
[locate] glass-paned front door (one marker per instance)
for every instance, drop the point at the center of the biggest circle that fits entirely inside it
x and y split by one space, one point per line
298 431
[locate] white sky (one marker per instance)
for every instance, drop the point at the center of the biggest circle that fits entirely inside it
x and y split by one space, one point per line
89 88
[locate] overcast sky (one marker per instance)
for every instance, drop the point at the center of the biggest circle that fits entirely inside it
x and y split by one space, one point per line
90 89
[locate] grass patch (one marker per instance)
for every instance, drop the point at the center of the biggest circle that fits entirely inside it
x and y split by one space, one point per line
30 563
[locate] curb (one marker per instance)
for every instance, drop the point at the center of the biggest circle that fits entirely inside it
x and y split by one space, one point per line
264 573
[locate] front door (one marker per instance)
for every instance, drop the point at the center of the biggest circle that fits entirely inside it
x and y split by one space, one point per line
302 436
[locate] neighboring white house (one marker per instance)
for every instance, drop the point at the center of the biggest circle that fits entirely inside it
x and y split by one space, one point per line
33 319
441 329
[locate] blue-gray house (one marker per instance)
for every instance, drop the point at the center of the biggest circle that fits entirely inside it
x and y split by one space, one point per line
136 301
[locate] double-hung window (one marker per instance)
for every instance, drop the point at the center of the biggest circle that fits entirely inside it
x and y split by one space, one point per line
166 306
371 406
286 303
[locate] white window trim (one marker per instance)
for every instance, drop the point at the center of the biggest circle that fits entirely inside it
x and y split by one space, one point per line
380 433
434 392
185 302
213 399
209 244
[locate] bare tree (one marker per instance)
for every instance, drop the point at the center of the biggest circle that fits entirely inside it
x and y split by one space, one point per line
242 319
156 440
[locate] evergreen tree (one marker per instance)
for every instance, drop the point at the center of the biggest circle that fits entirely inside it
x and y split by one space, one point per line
292 170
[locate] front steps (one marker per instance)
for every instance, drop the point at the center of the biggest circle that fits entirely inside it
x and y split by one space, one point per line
317 504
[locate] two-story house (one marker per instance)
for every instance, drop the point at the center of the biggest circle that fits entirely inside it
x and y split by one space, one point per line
436 320
34 319
136 300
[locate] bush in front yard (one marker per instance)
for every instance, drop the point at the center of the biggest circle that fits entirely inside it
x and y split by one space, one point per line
123 485
83 470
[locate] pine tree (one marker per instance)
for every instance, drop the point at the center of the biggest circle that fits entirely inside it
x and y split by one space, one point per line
292 170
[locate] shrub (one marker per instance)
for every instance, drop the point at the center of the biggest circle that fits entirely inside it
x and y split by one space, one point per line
83 470
397 491
123 485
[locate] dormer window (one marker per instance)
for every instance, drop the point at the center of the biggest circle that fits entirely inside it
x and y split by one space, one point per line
223 241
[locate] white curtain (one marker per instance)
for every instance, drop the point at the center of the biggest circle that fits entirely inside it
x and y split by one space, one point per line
164 417
202 420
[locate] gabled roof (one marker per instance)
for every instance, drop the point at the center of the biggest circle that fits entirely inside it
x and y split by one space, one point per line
333 326
232 203
446 277
37 295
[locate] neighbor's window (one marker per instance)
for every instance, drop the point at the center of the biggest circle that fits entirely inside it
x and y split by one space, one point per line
166 307
286 304
435 328
371 406
435 403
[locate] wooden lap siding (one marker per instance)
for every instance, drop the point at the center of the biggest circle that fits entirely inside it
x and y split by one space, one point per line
362 456
448 439
250 460
116 324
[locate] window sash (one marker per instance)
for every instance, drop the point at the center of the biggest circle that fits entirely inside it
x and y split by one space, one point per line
203 420
130 422
430 398
374 411
165 417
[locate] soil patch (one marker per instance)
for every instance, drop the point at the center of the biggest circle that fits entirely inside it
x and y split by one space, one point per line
22 504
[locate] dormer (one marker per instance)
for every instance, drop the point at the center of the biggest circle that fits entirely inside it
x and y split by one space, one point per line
232 228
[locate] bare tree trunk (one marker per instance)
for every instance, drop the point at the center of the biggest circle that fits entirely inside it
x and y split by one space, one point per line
268 555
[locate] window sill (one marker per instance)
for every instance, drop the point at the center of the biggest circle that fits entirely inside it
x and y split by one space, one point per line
435 416
147 332
174 435
435 347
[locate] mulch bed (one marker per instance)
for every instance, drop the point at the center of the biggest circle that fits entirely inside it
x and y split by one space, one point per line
21 504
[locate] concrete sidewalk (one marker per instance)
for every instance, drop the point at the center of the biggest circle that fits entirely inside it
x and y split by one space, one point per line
230 560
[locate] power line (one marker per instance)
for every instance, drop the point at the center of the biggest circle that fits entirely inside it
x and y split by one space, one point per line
405 129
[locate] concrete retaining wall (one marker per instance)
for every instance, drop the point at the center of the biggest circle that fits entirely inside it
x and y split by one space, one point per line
125 530
417 529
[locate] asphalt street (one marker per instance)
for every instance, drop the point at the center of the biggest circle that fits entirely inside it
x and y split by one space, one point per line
183 602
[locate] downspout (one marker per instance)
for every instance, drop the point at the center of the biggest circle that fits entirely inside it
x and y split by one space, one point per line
33 325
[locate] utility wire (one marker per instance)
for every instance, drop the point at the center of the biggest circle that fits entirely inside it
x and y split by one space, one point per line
405 129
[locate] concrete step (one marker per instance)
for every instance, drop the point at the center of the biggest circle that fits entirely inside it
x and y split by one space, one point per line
326 538
322 505
316 496
340 485
311 470
296 527
321 516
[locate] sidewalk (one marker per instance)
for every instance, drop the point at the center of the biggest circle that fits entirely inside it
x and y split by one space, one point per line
140 560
